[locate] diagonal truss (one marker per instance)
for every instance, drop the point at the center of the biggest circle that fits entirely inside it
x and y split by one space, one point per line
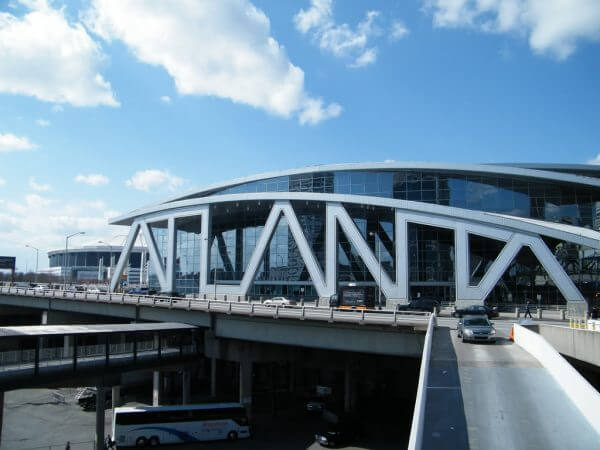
325 282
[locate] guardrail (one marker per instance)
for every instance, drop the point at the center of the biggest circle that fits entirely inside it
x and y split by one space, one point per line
418 422
340 315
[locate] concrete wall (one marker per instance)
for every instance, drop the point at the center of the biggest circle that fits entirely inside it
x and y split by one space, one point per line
583 345
582 394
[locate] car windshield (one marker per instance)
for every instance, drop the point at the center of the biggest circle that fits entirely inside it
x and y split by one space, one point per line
477 322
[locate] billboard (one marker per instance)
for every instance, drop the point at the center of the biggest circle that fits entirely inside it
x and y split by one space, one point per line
8 262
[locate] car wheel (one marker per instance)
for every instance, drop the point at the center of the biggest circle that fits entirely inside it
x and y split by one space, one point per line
154 441
141 442
232 436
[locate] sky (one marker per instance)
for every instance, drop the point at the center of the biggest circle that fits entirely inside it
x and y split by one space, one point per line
107 106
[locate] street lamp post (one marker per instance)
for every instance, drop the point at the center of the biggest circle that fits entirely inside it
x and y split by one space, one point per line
371 233
37 254
67 256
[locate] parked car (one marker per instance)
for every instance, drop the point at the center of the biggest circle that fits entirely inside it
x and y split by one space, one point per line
278 301
140 291
476 310
476 328
344 432
420 304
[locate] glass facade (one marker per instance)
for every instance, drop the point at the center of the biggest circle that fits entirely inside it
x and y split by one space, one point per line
483 252
431 262
160 232
519 196
187 254
525 280
236 228
377 225
91 259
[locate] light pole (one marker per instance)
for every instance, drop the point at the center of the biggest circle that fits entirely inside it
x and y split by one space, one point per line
67 256
37 254
371 233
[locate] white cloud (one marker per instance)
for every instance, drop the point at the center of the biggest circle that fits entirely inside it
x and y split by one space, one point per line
11 143
2 182
43 122
44 222
552 26
37 186
398 30
367 57
92 179
45 56
340 40
314 112
57 108
596 160
221 48
145 180
165 99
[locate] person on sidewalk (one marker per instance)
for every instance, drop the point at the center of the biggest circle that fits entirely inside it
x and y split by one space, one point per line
527 311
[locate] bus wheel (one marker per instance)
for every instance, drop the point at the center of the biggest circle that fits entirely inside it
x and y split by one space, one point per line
141 442
154 441
232 436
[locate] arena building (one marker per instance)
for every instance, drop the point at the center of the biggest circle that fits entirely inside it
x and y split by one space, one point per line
382 233
95 263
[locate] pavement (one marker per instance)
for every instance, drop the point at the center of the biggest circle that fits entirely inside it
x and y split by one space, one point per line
497 396
36 419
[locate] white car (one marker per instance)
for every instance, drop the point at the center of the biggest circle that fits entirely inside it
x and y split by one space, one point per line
93 291
278 301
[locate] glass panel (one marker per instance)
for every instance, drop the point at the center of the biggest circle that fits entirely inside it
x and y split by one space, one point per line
187 254
483 252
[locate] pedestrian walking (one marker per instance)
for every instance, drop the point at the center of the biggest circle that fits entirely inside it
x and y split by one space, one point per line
528 311
68 446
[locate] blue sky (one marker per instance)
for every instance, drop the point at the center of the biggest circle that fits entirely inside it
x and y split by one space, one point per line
107 106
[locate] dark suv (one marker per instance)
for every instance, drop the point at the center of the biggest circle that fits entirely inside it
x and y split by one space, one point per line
420 304
476 310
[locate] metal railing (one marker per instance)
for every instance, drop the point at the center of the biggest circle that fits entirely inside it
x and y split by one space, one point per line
338 315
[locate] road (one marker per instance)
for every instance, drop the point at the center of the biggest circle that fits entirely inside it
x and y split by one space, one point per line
486 397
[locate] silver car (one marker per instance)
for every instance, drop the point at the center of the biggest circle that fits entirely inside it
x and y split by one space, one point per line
476 328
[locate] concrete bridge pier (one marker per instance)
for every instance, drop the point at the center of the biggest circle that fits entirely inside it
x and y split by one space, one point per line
185 394
1 413
246 385
156 388
213 377
116 396
100 400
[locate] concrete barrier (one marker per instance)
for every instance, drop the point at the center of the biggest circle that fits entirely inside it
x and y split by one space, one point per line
418 422
582 394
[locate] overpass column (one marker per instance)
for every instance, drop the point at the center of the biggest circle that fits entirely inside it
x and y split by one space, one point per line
185 397
100 399
116 396
213 377
246 385
45 317
156 388
349 397
1 413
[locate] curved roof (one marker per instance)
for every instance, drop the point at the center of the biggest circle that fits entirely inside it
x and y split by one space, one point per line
555 172
94 248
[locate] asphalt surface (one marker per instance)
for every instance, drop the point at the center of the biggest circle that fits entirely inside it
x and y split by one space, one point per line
35 419
497 396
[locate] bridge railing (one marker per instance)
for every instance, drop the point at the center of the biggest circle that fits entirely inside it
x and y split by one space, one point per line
370 316
418 422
